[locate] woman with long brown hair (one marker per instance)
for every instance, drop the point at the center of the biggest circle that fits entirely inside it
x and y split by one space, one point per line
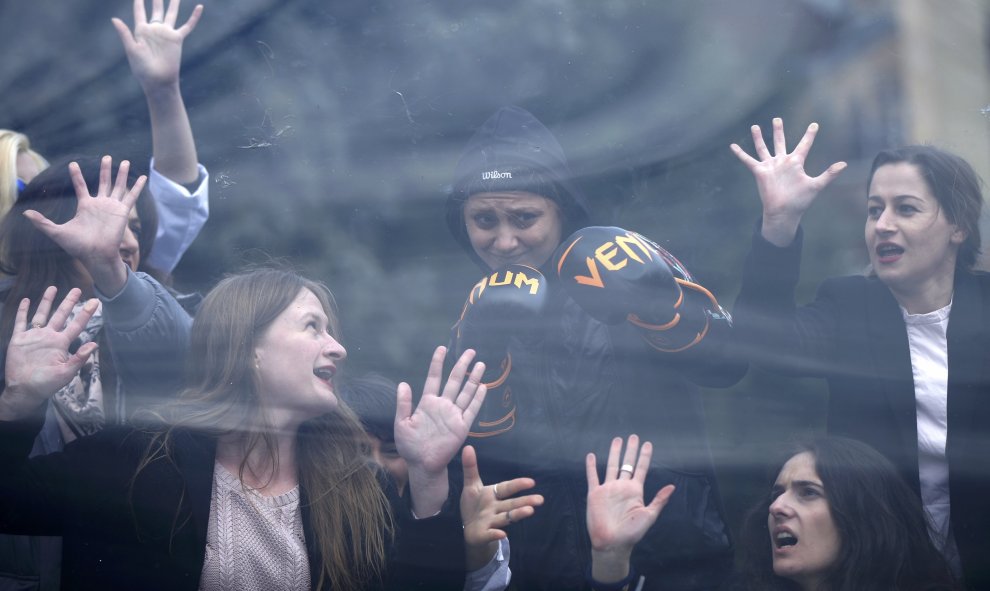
253 478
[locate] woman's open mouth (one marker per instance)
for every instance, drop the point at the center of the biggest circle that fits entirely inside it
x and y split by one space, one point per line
784 539
888 252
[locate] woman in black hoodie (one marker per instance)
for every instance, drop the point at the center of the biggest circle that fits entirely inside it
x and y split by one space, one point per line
575 380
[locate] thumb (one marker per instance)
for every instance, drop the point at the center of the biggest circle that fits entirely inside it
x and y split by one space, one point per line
126 38
660 500
191 23
403 402
79 359
43 224
469 461
830 174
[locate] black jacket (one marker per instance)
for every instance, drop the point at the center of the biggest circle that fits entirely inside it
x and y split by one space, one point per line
575 383
854 335
149 531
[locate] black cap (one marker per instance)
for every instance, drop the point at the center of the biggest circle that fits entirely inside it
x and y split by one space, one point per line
513 151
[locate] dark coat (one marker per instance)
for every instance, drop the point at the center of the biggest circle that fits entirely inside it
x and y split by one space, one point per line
575 383
149 531
854 335
143 345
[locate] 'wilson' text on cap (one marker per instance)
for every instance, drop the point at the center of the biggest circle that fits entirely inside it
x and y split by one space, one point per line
494 174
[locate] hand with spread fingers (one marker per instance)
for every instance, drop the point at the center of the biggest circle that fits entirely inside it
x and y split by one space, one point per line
617 516
154 47
786 190
429 438
154 52
486 510
94 233
39 362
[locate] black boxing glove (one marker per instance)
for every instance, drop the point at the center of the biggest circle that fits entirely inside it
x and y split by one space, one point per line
617 275
612 273
503 304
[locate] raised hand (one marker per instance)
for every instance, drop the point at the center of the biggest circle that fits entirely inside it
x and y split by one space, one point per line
154 48
786 190
429 437
94 233
485 510
617 516
38 359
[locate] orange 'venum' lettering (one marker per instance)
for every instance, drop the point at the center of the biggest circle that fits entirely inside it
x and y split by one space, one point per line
519 279
625 243
494 282
533 283
605 253
478 289
595 280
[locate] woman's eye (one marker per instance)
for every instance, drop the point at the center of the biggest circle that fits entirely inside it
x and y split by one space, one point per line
874 211
809 492
484 221
136 230
525 220
907 209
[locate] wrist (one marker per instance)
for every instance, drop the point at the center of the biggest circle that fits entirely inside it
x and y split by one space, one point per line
609 566
780 229
109 276
157 90
424 472
478 555
611 581
15 403
428 491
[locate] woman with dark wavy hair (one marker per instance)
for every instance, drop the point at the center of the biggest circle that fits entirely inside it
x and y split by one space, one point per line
837 517
903 346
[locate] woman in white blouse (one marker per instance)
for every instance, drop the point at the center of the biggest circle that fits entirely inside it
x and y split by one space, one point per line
903 347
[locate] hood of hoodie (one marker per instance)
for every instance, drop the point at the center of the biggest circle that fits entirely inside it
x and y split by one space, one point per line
513 151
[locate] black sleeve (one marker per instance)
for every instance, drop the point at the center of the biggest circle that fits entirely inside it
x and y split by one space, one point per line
772 331
705 351
83 486
715 362
427 553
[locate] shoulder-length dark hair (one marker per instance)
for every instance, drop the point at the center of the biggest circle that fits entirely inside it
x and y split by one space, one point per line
349 512
32 259
885 535
955 185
